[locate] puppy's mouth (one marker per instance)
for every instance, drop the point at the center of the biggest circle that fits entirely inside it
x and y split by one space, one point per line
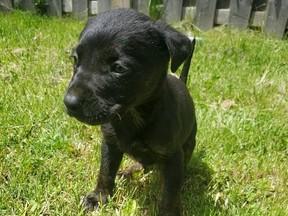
102 117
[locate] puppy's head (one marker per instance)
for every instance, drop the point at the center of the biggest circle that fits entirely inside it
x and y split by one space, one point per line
121 62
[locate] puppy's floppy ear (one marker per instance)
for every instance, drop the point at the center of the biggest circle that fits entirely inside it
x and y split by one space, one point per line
179 46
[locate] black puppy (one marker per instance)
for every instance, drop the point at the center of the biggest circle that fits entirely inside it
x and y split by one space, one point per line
120 81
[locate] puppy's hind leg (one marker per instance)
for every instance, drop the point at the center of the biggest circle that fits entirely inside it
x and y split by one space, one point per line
172 171
111 158
189 146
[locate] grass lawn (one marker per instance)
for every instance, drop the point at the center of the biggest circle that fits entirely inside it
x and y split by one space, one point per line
48 161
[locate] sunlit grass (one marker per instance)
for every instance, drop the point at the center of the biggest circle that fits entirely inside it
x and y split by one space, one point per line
49 161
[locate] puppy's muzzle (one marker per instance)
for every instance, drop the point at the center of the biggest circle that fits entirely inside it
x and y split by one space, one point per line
73 103
93 111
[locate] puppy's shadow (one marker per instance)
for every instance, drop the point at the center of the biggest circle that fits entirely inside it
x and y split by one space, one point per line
195 197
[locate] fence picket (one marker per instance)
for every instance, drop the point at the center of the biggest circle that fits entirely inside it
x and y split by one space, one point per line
172 10
80 9
276 18
27 5
104 5
54 8
5 5
93 7
121 4
141 6
205 12
270 14
240 13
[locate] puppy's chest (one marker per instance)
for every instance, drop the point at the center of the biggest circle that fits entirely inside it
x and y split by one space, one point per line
140 151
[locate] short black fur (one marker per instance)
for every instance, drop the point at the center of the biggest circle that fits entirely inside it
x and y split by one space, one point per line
120 81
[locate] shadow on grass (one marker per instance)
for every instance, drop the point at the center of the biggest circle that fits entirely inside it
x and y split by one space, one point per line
196 199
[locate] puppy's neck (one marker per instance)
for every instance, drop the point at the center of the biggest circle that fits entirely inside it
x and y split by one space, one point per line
142 115
138 118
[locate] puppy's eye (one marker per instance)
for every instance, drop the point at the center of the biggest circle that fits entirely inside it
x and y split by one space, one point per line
117 68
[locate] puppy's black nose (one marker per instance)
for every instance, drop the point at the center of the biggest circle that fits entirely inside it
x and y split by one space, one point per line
72 101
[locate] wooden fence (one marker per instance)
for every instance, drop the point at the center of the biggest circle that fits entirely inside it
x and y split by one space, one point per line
272 15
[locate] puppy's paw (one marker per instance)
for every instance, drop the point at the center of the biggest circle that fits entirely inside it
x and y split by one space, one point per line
92 201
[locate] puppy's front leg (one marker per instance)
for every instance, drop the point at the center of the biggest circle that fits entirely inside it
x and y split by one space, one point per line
111 158
173 176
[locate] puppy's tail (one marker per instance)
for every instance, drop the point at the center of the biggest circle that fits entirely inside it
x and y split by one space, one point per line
186 66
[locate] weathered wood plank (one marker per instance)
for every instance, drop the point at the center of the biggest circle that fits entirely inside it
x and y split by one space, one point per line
121 3
188 13
221 16
54 7
205 12
27 5
104 5
258 18
67 6
240 13
80 9
141 5
277 16
93 7
5 5
172 10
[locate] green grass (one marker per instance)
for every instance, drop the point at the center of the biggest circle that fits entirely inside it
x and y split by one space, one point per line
49 161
